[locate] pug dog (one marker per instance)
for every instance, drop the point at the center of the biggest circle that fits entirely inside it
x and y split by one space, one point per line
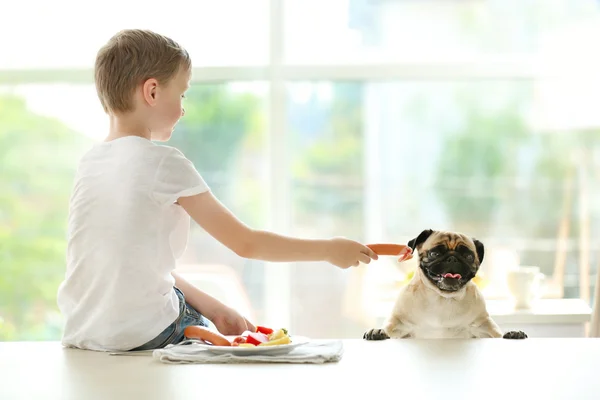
441 301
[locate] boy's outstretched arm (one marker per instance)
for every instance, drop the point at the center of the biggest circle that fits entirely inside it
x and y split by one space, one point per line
223 225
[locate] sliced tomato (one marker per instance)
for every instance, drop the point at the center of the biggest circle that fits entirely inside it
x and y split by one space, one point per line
239 339
264 329
257 338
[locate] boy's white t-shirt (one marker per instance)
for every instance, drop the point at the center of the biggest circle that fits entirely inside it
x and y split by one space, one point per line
125 232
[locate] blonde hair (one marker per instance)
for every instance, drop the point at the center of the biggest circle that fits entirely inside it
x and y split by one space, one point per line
128 59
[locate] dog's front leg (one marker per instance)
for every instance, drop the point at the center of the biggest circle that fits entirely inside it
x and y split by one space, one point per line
515 335
394 328
487 329
375 334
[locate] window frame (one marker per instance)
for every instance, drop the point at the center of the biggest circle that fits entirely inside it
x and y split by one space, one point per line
276 73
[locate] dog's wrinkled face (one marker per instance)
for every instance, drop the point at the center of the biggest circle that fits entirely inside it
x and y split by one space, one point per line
449 260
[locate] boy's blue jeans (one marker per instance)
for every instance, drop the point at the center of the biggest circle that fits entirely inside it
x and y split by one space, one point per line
174 332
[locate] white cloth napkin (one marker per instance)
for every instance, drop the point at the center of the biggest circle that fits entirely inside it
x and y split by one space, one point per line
313 352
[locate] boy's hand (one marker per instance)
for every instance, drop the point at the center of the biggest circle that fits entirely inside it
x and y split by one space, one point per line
229 322
345 253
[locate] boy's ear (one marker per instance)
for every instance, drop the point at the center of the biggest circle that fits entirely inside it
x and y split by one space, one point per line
413 243
149 90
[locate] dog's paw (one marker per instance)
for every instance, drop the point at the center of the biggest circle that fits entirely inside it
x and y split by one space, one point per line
375 334
515 335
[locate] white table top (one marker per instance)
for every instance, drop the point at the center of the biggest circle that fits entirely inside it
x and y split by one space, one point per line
394 369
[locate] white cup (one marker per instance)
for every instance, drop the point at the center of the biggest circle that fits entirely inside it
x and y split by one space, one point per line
524 284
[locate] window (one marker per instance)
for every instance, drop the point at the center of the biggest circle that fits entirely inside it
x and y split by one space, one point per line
73 32
40 143
372 119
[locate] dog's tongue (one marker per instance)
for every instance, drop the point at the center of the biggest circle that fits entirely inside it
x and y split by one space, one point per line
451 275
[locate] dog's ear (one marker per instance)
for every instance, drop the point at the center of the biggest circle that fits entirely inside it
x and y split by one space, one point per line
419 239
480 250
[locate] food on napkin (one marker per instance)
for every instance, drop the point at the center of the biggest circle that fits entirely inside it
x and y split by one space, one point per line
206 335
263 336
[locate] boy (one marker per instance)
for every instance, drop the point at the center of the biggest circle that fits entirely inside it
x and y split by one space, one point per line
130 212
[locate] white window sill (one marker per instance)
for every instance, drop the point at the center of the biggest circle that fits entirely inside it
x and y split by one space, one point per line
545 311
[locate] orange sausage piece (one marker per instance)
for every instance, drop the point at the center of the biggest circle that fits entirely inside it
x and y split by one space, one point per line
389 249
202 333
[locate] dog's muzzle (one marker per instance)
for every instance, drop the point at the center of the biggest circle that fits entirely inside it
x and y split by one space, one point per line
449 273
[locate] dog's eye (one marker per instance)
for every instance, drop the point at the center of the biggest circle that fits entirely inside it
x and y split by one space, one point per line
433 254
470 257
